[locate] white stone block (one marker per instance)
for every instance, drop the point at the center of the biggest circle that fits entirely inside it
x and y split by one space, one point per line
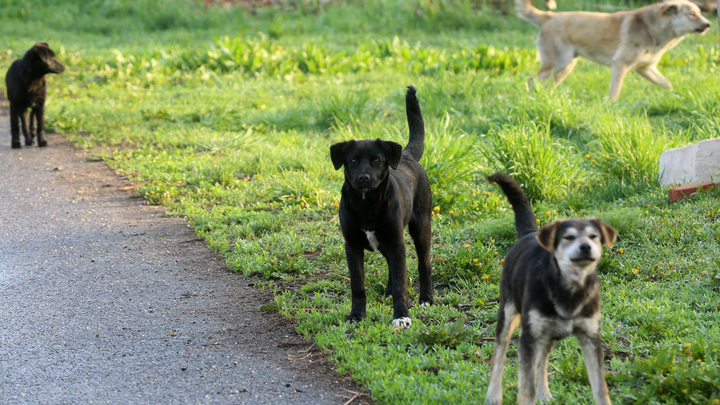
691 164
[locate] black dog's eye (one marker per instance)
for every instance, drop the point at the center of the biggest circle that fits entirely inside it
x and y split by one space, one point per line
569 237
353 160
376 161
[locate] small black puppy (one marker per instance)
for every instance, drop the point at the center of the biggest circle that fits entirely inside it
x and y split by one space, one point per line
26 88
385 190
550 287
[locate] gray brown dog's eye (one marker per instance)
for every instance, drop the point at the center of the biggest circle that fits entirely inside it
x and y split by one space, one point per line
593 236
569 237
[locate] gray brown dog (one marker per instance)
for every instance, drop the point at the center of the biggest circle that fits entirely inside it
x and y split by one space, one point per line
624 41
26 88
385 190
549 286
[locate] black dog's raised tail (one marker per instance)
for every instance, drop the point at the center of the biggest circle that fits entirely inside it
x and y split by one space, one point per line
525 221
416 144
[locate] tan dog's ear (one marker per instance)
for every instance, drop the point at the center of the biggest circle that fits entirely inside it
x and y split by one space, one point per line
671 9
546 236
609 236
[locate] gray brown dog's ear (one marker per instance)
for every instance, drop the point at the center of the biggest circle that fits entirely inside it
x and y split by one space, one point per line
671 9
392 152
546 236
608 233
338 153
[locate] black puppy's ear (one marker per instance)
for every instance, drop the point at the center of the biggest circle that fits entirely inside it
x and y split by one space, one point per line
392 152
609 236
546 236
338 153
670 10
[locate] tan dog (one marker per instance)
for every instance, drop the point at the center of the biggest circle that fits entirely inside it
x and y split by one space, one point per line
626 40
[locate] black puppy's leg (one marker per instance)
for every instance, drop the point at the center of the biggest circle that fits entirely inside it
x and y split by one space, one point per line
356 266
593 354
395 256
25 127
39 113
420 232
526 367
15 126
507 321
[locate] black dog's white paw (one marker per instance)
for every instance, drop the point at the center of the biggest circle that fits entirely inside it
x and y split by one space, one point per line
404 322
424 304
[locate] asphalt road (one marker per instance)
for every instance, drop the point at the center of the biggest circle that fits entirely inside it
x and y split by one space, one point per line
105 299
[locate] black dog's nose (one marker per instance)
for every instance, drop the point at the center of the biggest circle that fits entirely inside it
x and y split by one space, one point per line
364 178
585 248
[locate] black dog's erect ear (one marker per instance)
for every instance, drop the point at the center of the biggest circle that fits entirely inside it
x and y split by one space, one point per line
392 151
609 236
338 153
670 10
546 236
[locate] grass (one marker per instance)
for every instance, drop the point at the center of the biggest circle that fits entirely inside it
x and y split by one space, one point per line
226 117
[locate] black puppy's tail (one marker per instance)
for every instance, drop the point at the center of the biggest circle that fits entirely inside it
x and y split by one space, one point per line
416 144
525 221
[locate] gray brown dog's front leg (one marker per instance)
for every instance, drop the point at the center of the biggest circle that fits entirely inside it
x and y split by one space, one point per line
593 355
526 368
542 356
356 266
39 113
508 320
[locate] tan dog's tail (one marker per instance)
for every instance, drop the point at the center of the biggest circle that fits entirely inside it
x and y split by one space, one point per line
528 12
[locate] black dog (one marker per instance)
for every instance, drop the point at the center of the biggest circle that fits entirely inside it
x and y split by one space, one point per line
550 287
386 189
26 88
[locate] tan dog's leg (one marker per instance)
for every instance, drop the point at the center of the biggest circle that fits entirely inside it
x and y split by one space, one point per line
593 354
508 320
541 364
619 70
652 74
561 74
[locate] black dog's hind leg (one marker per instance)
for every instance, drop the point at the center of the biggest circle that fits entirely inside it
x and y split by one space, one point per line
25 127
39 113
15 126
356 266
421 233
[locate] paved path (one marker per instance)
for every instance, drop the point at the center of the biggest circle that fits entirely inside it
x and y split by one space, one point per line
105 299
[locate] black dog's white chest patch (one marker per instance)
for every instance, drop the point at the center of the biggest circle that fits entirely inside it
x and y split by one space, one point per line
372 240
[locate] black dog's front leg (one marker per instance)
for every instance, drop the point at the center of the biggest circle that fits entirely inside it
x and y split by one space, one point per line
25 127
14 126
39 113
356 265
395 257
